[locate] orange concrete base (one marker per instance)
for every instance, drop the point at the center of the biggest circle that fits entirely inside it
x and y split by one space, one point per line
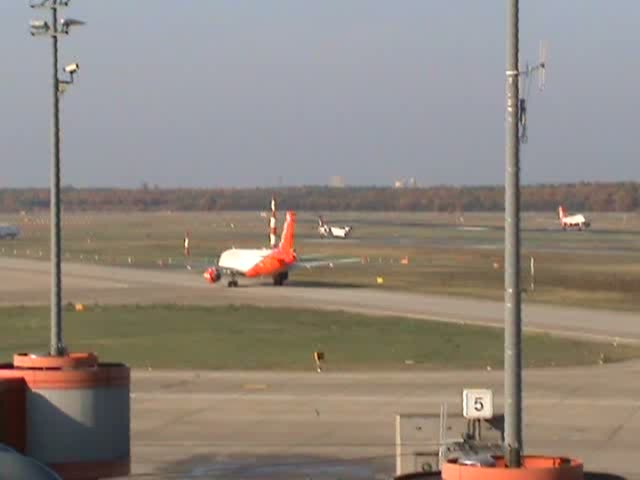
533 468
61 393
71 360
419 476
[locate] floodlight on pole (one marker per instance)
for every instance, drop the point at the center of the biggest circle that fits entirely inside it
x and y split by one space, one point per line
39 27
54 29
67 23
41 4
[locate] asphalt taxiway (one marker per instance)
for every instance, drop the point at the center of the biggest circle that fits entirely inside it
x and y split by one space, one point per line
26 282
240 425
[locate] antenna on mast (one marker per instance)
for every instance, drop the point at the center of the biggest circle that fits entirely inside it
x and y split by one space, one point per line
542 58
526 76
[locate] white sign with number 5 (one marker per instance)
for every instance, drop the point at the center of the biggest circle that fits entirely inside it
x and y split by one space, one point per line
477 403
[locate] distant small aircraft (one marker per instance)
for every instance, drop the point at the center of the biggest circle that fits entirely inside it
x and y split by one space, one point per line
333 232
577 221
9 231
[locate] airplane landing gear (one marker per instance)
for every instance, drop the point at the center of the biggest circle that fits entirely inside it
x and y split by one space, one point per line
280 278
232 283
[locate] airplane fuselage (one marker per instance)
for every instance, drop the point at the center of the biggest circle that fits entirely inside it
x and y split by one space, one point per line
575 221
255 262
335 232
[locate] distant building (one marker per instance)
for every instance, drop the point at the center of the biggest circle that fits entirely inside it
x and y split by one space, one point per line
336 181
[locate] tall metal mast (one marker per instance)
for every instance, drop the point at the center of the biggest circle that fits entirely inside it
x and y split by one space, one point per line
513 319
57 28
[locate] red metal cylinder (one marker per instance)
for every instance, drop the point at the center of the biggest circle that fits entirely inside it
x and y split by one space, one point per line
13 413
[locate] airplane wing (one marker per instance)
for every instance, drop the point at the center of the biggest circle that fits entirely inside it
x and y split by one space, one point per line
191 263
213 263
311 263
200 265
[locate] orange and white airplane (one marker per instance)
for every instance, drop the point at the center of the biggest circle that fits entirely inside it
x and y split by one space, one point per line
275 262
572 221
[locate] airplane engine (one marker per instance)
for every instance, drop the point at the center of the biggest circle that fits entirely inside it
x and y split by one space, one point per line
212 275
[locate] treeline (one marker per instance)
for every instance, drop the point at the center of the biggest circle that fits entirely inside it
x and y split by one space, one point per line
593 197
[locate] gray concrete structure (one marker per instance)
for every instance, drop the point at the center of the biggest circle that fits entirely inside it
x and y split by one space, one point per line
417 442
78 425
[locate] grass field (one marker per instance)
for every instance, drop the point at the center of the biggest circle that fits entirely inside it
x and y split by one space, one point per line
598 268
242 337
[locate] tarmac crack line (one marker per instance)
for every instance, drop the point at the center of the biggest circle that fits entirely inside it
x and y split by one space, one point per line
618 428
178 418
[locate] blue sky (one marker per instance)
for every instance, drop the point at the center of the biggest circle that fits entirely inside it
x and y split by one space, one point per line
242 92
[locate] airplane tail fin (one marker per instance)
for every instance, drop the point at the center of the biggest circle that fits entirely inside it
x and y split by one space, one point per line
273 230
561 212
286 242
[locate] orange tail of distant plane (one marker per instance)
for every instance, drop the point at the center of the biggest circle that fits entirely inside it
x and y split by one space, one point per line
286 242
561 212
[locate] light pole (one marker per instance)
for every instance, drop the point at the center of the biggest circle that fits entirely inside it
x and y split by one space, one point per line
513 319
55 29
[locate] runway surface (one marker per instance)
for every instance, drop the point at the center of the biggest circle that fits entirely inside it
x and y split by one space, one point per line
238 425
270 425
28 283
